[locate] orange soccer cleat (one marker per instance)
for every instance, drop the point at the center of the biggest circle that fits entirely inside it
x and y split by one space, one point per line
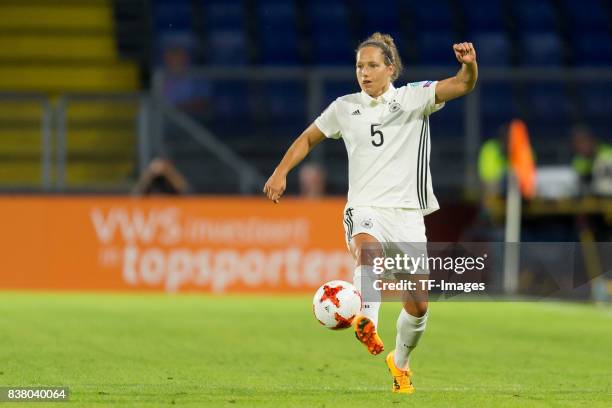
401 378
365 331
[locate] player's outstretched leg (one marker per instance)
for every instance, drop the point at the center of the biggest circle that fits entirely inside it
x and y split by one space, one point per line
365 331
366 323
401 378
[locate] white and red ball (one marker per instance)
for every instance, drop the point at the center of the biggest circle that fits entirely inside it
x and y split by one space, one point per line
336 303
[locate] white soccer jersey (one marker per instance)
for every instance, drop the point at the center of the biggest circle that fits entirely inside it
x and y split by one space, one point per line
387 141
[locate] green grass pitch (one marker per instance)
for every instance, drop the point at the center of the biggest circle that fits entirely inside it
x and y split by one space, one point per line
239 351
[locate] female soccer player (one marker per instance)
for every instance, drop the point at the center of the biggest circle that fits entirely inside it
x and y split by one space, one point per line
386 133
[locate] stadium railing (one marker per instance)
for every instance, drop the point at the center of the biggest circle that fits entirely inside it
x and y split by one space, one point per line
549 99
101 142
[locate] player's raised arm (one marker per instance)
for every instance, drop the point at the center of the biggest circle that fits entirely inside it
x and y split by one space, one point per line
465 80
276 184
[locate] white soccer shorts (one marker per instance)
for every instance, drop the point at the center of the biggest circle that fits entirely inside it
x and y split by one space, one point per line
399 230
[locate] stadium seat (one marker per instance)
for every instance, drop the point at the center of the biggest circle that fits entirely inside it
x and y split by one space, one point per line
224 25
278 37
338 51
434 48
492 47
482 15
541 49
431 31
535 16
430 15
498 105
335 89
285 100
169 16
223 14
590 48
231 100
279 46
548 100
595 101
227 47
380 15
585 15
595 105
549 109
329 33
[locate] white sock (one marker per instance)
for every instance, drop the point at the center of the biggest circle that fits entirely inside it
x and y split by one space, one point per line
363 279
409 331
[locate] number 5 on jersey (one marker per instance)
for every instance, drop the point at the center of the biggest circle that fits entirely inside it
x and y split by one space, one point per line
374 133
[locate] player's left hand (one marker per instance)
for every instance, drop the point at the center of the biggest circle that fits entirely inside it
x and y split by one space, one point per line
465 52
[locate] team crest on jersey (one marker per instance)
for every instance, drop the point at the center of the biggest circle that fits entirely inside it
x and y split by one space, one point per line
367 223
394 107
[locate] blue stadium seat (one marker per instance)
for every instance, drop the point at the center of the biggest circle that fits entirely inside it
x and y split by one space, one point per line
285 101
595 100
595 107
231 101
448 122
224 14
379 15
493 48
537 16
278 34
169 16
454 109
499 99
541 49
279 46
329 33
431 15
224 24
591 48
325 14
338 51
227 47
435 48
336 89
482 15
549 108
498 104
586 15
548 99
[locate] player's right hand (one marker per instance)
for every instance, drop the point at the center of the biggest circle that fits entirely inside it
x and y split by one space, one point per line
275 187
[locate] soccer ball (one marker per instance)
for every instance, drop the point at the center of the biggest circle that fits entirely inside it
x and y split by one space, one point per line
336 303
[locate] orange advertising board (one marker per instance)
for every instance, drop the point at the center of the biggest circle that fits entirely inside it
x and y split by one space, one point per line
216 245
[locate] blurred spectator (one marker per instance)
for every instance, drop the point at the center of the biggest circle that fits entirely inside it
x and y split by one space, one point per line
161 177
493 163
180 88
592 161
313 179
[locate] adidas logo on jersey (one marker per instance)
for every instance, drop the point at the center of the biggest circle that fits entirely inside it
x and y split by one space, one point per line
356 112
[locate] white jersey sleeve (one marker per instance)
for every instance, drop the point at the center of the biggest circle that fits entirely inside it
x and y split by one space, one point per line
328 122
424 94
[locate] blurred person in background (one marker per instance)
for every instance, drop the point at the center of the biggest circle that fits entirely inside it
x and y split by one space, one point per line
313 178
161 177
386 134
180 89
493 163
592 161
